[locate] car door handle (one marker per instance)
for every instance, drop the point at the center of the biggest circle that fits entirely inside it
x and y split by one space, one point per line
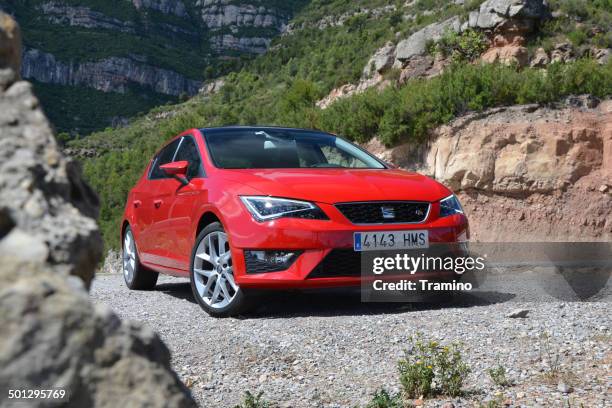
157 203
137 203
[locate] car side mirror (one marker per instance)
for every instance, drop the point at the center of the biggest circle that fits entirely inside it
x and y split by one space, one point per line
177 170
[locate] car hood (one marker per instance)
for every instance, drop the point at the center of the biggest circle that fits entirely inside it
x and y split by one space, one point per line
340 185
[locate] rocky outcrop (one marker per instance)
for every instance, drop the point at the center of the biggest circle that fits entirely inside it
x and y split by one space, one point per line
223 15
51 335
381 61
549 171
416 44
507 22
176 7
251 45
495 13
503 22
212 87
112 74
226 13
82 16
43 193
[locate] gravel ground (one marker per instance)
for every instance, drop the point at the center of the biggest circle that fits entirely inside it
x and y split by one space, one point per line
331 350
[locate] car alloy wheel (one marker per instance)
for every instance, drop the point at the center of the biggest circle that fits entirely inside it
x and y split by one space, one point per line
213 271
129 257
137 276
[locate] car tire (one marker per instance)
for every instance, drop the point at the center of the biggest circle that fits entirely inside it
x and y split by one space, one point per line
136 276
230 299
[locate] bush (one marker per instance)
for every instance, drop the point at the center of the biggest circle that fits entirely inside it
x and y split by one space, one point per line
498 376
429 369
254 401
465 46
382 399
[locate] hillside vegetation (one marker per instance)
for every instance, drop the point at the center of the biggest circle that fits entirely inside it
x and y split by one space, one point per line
282 87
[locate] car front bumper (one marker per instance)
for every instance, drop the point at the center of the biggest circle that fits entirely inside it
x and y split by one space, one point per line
320 240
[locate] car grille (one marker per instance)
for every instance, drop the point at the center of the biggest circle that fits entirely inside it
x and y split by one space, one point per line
385 212
338 263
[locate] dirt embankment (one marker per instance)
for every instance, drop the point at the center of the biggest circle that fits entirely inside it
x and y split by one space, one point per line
525 173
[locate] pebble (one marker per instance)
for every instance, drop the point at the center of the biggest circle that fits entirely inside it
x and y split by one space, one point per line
318 350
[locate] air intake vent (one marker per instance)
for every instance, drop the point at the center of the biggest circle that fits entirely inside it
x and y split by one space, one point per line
385 212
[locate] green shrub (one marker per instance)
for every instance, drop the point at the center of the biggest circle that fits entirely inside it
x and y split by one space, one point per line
429 369
465 46
382 399
254 401
498 376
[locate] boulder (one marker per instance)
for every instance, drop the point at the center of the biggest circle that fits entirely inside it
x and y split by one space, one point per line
540 59
562 52
509 54
51 335
602 55
381 61
417 43
42 190
492 13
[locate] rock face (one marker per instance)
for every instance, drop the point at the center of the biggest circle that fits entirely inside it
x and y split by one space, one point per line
176 7
42 192
381 61
507 22
493 13
81 16
219 16
161 46
416 44
226 13
540 167
252 45
108 75
51 335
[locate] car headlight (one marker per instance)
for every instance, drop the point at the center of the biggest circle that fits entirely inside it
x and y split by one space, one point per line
450 206
267 208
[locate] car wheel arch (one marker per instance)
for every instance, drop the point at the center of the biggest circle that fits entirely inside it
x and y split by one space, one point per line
124 227
207 218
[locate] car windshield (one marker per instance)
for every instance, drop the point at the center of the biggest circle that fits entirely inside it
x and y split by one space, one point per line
260 148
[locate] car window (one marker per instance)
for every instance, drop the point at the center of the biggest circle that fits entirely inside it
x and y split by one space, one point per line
188 151
166 155
284 148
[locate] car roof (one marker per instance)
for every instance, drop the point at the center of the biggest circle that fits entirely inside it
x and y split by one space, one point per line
220 129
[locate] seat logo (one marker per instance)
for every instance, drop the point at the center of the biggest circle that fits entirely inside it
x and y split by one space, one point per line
388 212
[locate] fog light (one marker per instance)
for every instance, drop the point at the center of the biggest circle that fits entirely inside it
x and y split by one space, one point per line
269 261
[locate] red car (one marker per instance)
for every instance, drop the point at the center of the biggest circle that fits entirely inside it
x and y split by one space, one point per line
239 208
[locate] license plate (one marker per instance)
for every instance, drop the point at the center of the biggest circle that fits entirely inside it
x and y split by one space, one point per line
389 240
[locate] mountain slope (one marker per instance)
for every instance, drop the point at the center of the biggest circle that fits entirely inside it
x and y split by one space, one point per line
148 51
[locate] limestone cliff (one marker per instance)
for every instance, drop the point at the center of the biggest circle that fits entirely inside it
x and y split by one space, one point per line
160 47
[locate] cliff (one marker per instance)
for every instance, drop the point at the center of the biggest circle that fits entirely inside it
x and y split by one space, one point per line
157 49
